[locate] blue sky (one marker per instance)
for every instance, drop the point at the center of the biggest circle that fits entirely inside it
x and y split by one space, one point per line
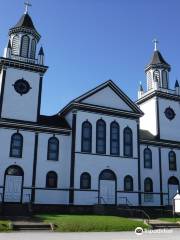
87 42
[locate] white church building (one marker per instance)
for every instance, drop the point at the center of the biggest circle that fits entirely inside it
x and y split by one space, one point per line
101 148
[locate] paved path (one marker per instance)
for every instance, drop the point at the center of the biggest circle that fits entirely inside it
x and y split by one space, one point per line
171 235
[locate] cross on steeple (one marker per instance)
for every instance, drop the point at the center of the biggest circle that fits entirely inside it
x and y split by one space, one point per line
27 4
155 41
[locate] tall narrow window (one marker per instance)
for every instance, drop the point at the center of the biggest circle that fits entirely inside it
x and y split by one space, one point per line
147 158
16 145
128 141
15 45
128 183
172 161
164 79
156 76
114 138
53 149
33 49
148 185
85 181
51 179
24 46
86 141
101 137
148 189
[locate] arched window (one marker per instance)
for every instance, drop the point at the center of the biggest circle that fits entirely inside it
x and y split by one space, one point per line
85 181
148 185
33 49
86 141
101 137
15 45
128 183
149 80
173 181
14 171
128 141
16 145
24 46
164 79
114 138
172 160
147 158
107 174
53 149
51 179
156 76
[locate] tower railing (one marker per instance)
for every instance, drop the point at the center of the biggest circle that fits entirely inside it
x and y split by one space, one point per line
23 59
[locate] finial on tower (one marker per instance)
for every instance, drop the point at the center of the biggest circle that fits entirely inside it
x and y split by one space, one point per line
155 41
27 4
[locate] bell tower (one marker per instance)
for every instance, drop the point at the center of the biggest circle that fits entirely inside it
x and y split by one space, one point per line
157 72
21 72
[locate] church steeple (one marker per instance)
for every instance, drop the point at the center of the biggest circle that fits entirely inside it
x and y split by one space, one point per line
157 71
23 38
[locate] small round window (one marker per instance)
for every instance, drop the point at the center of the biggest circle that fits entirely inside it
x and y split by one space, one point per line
169 113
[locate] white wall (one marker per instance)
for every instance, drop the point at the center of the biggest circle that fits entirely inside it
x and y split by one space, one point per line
169 129
61 167
148 120
107 98
16 106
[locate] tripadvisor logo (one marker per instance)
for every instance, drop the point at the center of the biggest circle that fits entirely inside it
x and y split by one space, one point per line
139 230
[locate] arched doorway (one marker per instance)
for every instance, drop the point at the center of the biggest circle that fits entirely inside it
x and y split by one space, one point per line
107 187
13 183
173 186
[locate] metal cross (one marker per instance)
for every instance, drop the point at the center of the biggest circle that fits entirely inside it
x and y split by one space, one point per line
27 4
155 41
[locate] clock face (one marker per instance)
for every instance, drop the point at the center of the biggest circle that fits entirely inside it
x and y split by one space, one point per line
169 113
22 86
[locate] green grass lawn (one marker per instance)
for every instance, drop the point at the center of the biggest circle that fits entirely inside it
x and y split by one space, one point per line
172 219
4 226
90 223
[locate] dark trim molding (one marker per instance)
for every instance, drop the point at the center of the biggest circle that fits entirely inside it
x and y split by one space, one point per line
72 168
34 167
157 118
160 176
22 65
39 97
139 165
107 155
162 143
33 127
2 90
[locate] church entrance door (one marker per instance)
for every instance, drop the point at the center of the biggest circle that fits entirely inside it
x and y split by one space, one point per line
107 187
173 186
13 184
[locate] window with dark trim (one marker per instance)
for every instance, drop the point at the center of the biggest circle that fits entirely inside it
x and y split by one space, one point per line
172 161
15 45
147 158
33 49
85 181
128 183
16 145
128 142
86 141
148 185
114 138
24 46
53 149
101 137
51 179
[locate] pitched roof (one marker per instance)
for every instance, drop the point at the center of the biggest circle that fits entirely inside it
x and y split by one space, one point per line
158 58
114 87
25 21
53 121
